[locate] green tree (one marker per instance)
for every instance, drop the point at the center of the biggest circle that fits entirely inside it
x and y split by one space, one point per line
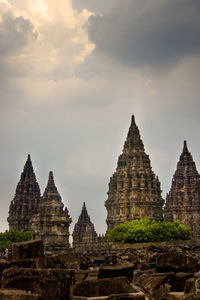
147 230
13 236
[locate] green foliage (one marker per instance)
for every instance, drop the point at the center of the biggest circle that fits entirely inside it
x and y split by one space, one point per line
147 230
13 236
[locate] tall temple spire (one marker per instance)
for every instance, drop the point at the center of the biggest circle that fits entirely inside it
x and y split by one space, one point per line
51 224
183 199
134 190
26 199
84 230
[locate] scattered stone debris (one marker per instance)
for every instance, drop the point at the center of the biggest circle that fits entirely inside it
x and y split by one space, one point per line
156 271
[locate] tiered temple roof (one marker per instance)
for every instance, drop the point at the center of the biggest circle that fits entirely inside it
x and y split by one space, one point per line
84 230
183 199
51 224
26 199
134 189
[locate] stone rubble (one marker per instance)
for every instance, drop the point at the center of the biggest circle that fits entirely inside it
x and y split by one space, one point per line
155 271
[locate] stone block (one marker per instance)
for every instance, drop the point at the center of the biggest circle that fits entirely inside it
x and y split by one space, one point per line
175 296
3 265
27 250
176 261
51 284
159 285
116 271
124 296
191 297
58 261
17 295
189 286
103 287
129 296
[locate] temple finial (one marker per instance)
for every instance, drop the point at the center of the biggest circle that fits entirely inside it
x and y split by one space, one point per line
132 120
51 175
51 188
185 148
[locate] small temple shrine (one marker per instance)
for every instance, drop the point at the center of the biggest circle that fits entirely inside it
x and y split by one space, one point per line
84 230
51 223
183 199
26 200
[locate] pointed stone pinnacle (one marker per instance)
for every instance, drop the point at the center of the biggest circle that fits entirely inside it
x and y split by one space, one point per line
185 148
133 120
133 141
28 164
84 214
50 188
51 179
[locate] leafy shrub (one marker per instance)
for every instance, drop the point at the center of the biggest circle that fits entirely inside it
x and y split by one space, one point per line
147 230
13 236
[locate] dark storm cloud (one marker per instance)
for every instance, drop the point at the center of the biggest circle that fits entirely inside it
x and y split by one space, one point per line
14 34
148 32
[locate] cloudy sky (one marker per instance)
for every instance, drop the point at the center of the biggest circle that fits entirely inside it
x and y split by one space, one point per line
72 72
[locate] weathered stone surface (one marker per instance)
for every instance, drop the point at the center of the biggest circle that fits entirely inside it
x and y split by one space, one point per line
84 231
116 271
130 296
3 265
183 200
27 250
176 261
191 297
175 296
134 190
181 296
103 287
159 285
51 284
68 260
190 286
26 199
152 283
6 294
51 224
127 296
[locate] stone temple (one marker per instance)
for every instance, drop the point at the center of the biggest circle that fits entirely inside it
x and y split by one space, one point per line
51 224
183 199
26 199
84 230
134 192
134 189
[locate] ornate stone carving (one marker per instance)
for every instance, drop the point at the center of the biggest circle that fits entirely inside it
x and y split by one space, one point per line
26 199
51 224
84 230
134 190
183 199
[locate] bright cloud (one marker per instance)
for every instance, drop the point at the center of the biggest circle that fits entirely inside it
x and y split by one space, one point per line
44 38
